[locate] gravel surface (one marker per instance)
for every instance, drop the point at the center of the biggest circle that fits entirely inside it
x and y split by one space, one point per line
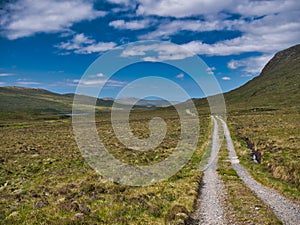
285 210
212 189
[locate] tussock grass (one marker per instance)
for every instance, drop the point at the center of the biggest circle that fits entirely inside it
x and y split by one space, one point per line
45 180
276 136
242 206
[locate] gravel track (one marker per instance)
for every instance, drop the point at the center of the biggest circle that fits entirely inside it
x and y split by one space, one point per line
212 188
285 210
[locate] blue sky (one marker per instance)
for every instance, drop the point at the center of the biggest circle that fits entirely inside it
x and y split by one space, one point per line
50 43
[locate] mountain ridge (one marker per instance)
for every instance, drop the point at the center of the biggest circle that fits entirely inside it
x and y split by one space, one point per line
276 87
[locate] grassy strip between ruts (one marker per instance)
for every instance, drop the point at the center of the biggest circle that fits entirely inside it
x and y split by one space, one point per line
242 206
45 180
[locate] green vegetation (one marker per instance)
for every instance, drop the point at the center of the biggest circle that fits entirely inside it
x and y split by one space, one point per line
266 112
27 104
44 178
276 88
242 206
34 100
276 136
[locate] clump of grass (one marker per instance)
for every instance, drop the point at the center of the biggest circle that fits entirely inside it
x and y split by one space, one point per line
177 214
242 206
275 136
44 178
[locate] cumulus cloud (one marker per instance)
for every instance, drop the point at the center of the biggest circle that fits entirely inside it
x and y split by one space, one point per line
180 76
180 9
130 25
86 82
80 44
27 17
263 7
251 66
166 29
210 70
233 64
6 74
267 34
125 2
96 83
99 75
27 83
157 52
226 78
267 43
264 26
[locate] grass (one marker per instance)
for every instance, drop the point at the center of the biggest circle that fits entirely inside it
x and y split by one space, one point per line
276 136
45 180
242 206
275 89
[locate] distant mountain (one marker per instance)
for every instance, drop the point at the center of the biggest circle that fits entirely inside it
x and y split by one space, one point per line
277 87
36 100
15 98
145 102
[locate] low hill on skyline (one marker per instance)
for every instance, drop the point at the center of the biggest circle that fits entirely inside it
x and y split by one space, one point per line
277 87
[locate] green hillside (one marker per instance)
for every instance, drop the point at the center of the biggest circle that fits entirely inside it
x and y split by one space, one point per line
33 103
44 177
32 99
264 116
277 87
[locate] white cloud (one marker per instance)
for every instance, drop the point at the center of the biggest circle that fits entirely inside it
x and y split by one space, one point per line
96 83
151 59
89 82
226 78
266 43
265 26
125 2
116 83
80 44
180 9
99 75
130 25
6 74
27 83
157 52
232 64
76 43
251 66
210 70
2 83
170 28
97 47
180 76
264 7
27 17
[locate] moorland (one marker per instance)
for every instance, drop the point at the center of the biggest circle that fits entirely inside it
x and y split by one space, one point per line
45 180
